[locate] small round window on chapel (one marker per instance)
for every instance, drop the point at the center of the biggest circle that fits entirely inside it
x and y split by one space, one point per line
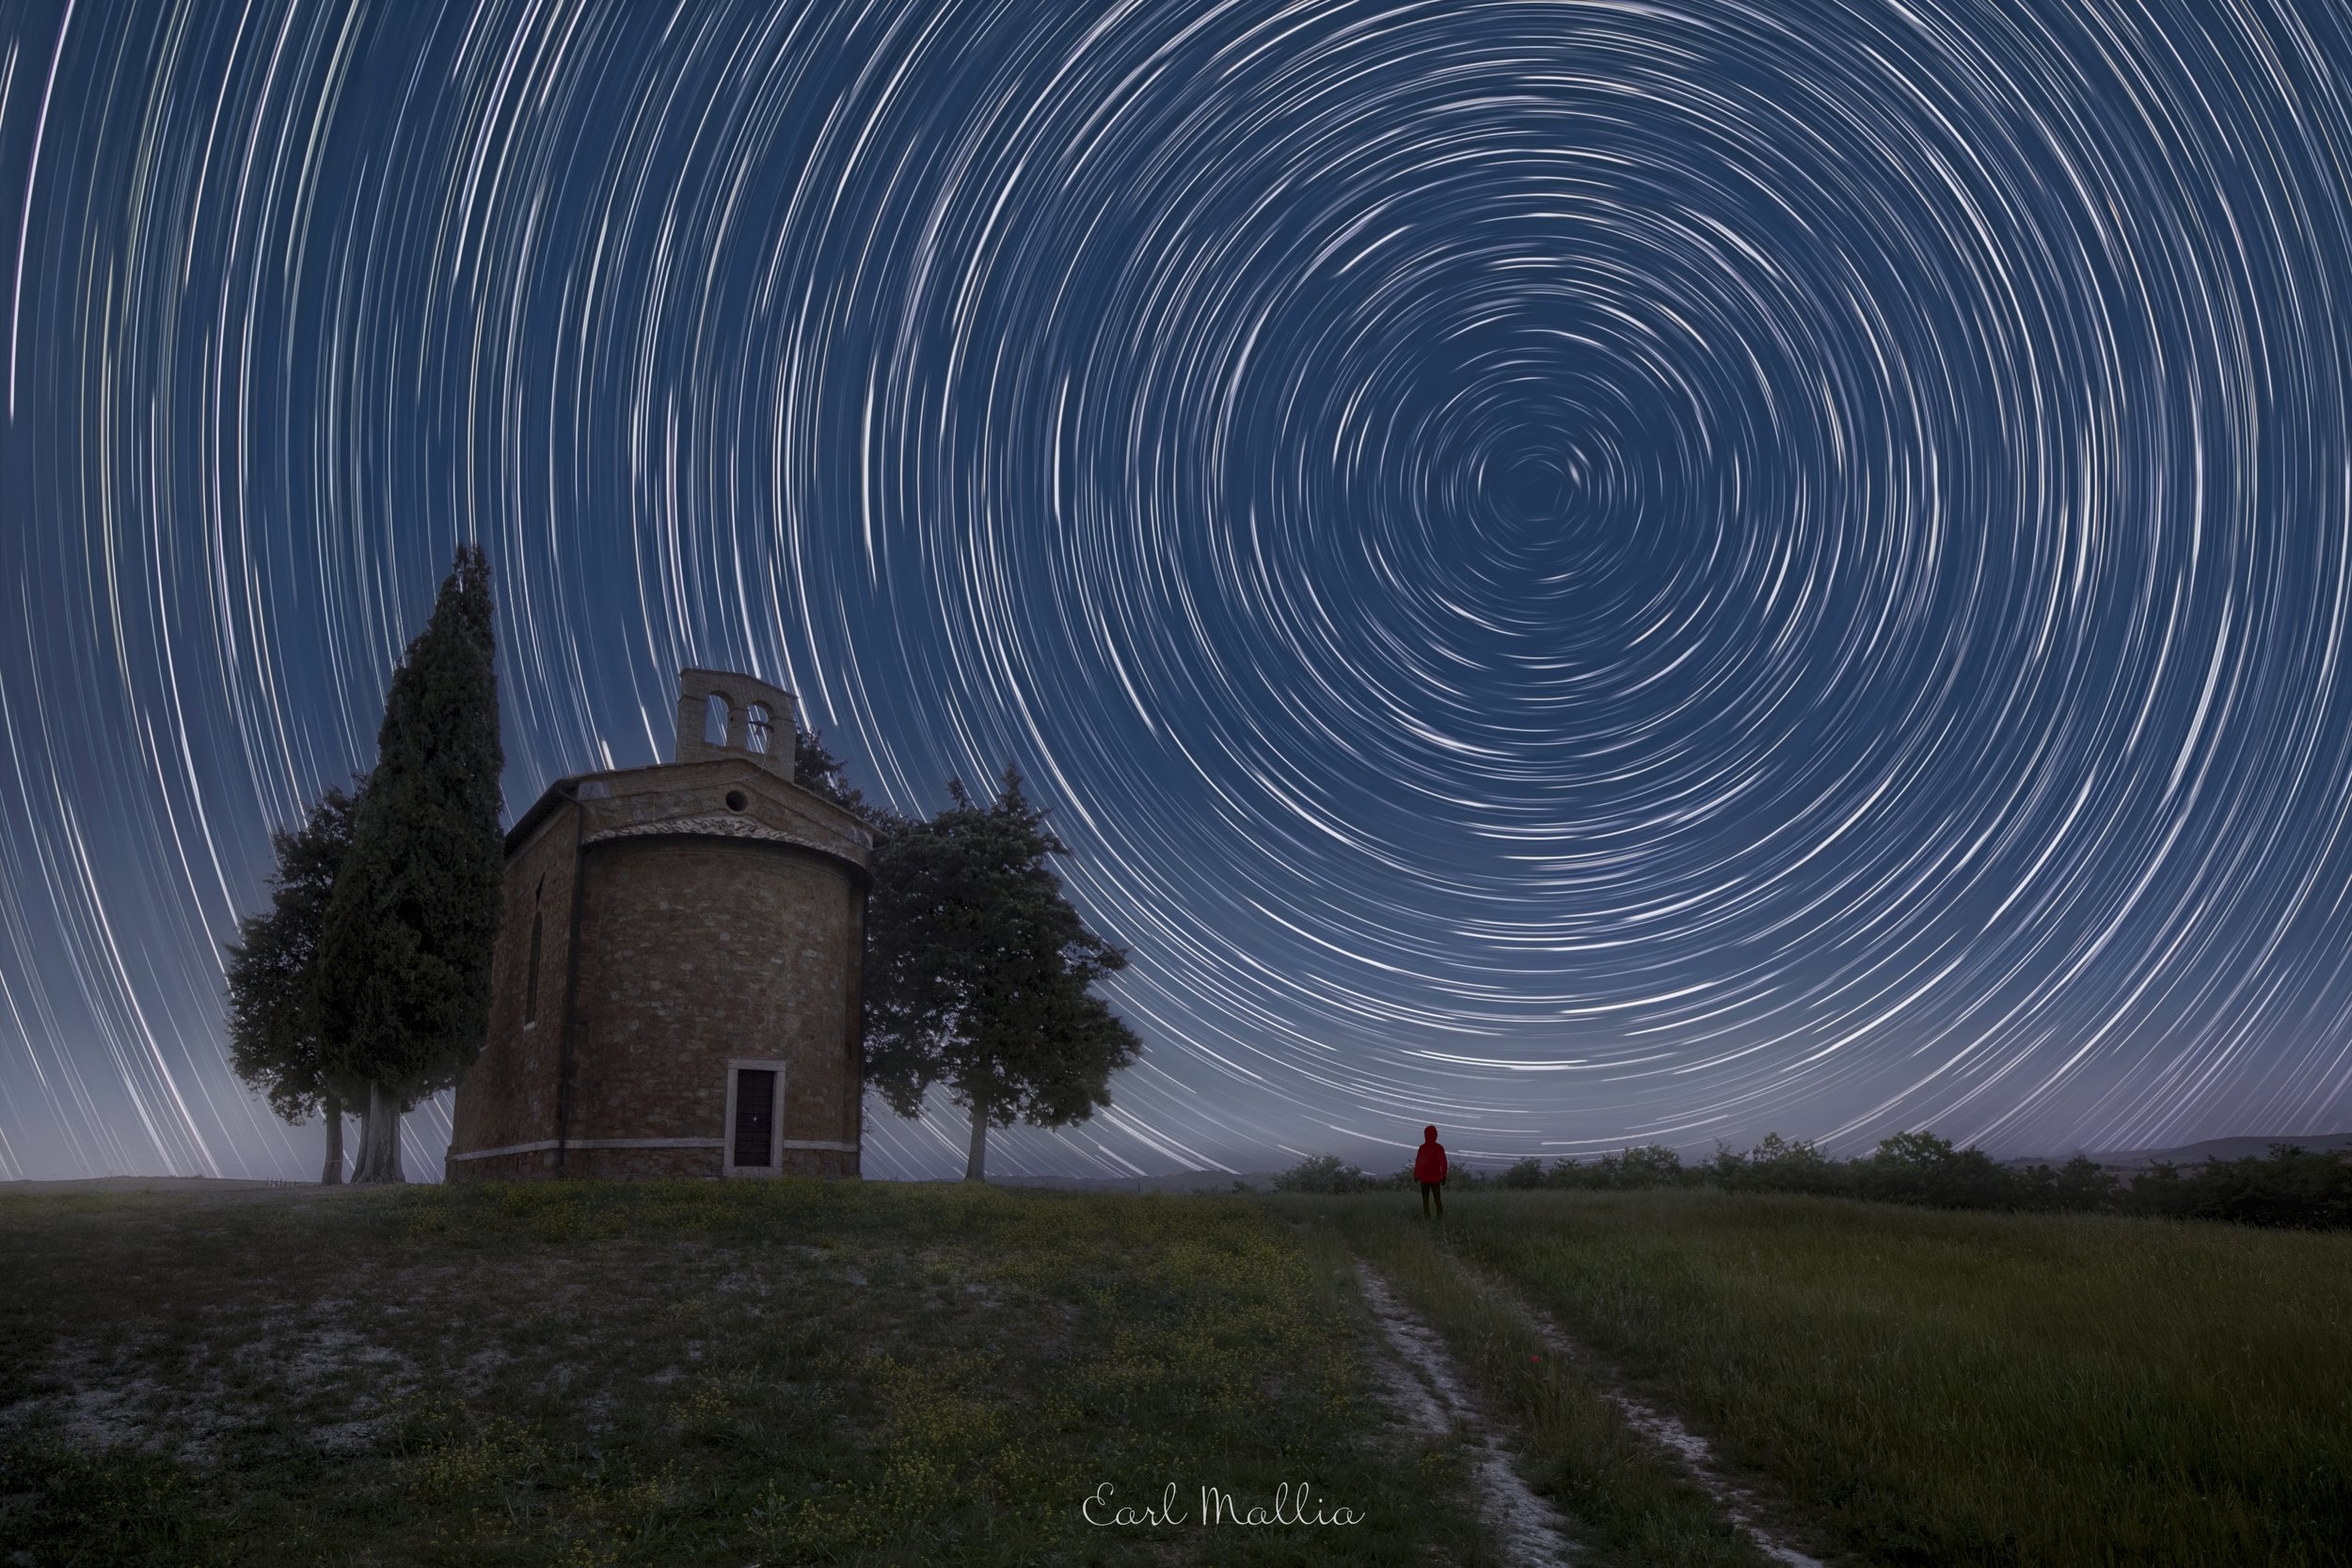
737 799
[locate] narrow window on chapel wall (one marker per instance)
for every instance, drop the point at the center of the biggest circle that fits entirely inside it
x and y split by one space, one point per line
716 719
755 727
755 1115
531 975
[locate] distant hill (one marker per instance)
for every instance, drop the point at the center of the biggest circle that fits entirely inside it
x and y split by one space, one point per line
2197 1153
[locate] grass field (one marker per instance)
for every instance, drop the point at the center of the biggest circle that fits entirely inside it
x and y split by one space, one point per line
1914 1385
729 1374
797 1371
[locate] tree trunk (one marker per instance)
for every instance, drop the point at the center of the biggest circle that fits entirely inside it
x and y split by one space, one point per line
976 1165
379 1139
333 1172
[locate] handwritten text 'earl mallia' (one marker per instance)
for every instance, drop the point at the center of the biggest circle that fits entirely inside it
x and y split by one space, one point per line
1217 1508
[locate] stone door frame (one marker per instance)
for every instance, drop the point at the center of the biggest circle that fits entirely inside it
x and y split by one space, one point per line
737 1066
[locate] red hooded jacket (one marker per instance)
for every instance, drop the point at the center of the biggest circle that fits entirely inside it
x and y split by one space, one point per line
1429 1165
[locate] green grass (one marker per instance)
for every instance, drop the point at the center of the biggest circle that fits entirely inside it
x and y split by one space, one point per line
775 1373
1633 1505
806 1373
1938 1388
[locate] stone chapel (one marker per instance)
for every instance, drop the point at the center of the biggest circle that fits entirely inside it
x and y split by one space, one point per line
674 990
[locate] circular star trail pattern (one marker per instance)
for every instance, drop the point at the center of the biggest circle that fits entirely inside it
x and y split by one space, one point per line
1586 572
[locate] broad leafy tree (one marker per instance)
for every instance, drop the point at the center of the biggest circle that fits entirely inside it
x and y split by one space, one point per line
405 958
274 1037
979 974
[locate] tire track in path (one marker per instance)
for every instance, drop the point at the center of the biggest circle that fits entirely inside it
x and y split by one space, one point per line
1432 1395
1660 1429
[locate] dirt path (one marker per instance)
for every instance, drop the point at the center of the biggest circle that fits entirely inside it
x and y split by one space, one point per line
1738 1504
1422 1381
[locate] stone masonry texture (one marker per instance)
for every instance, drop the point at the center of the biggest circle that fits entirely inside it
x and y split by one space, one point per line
688 915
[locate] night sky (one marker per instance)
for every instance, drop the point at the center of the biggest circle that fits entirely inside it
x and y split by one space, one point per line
1586 572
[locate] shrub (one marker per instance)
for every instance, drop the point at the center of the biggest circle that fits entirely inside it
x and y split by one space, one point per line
1651 1165
2081 1183
1920 1167
2292 1187
1323 1173
1779 1165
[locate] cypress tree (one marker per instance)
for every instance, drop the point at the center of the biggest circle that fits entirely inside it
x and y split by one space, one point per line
274 1038
403 972
819 771
979 973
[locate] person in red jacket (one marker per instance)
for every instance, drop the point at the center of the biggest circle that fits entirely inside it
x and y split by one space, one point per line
1429 1170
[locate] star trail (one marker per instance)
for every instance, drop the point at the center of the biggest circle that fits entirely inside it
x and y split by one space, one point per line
1586 572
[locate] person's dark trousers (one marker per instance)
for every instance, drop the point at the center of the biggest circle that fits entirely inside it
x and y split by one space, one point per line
1432 1192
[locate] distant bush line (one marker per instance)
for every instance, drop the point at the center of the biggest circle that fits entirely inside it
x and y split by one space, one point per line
2290 1187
